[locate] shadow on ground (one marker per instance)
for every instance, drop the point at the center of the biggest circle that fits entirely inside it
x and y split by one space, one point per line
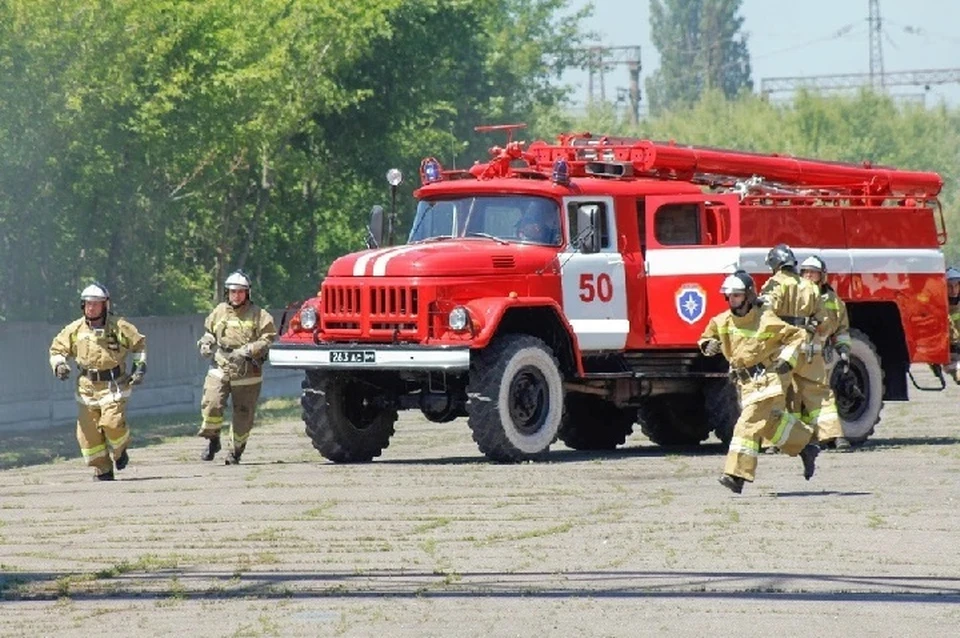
401 584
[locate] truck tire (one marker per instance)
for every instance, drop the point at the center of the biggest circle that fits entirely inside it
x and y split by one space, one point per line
514 398
722 407
593 423
859 391
674 419
347 420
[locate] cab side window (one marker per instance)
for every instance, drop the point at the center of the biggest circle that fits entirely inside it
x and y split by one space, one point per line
602 217
677 224
692 224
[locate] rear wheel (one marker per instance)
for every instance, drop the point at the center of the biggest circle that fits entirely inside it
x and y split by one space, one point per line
858 388
593 423
674 419
348 419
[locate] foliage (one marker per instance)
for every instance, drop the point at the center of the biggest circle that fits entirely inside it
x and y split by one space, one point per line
702 48
157 145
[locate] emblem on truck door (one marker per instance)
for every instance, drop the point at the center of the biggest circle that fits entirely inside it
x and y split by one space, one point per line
691 302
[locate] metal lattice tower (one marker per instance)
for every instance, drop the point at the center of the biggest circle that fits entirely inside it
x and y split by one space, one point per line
876 45
604 58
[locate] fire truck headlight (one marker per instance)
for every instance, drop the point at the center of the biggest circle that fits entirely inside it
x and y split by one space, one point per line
458 319
308 317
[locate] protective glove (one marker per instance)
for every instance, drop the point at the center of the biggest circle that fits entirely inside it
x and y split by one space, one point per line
206 344
243 352
783 367
139 369
62 371
711 347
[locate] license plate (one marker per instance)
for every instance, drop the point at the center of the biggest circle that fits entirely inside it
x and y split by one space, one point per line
353 356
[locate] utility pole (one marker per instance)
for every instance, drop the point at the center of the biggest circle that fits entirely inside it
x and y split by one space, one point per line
876 78
876 45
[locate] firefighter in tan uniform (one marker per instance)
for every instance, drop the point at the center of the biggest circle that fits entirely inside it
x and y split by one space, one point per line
953 298
761 350
835 334
797 301
237 338
100 345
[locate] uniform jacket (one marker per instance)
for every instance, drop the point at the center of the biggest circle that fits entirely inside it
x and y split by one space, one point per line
836 326
231 328
757 338
98 348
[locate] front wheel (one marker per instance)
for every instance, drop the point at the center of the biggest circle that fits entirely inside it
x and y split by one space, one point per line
515 398
348 419
858 388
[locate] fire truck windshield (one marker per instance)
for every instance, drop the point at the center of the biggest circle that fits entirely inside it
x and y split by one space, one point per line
517 218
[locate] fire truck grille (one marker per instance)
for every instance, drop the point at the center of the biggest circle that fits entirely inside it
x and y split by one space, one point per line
341 302
372 310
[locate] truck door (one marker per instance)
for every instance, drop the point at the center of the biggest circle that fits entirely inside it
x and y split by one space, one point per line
594 286
692 244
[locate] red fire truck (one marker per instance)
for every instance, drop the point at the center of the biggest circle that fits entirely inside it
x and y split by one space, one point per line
558 290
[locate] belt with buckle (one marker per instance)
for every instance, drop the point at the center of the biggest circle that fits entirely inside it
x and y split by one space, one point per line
102 375
745 374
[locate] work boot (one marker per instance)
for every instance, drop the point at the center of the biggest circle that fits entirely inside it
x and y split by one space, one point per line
213 446
842 444
106 476
809 457
731 482
122 460
233 457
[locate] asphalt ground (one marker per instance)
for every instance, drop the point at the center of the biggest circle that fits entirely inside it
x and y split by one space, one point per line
431 539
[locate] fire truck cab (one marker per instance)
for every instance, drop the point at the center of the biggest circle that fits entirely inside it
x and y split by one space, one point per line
558 291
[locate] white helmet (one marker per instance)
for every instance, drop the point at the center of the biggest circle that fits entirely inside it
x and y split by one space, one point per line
740 281
813 263
237 280
95 292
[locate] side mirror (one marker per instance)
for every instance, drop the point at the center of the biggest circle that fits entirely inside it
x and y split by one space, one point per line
588 232
375 228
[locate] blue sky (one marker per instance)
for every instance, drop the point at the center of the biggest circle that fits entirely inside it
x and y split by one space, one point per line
789 38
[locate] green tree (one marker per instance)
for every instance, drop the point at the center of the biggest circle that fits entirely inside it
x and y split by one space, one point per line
701 48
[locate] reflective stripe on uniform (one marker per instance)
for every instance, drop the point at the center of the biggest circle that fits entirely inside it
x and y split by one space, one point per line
115 443
139 357
748 447
789 353
94 452
744 332
246 381
784 428
213 420
822 415
239 439
842 338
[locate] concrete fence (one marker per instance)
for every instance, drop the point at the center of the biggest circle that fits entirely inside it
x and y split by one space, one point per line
31 397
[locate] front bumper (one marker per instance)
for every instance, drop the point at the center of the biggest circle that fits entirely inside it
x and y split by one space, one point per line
373 356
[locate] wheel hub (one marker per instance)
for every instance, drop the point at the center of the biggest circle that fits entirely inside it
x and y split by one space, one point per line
852 391
529 400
